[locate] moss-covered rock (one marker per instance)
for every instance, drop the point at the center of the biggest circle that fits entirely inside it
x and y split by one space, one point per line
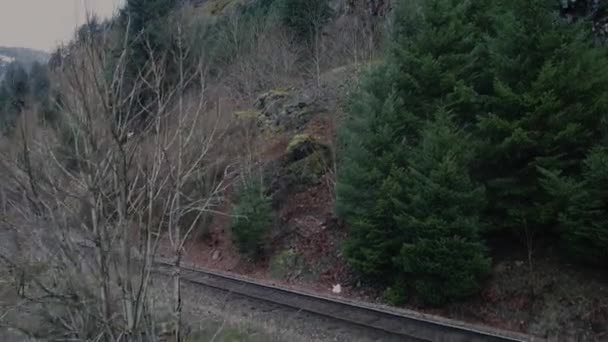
308 171
306 160
297 141
283 109
302 146
304 163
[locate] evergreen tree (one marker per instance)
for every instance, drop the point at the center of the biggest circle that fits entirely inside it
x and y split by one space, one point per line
544 109
434 59
304 18
530 91
583 219
147 24
145 19
16 84
438 216
374 146
252 219
15 89
4 98
40 84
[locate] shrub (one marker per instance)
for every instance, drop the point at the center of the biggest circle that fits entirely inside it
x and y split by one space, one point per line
252 219
286 263
395 295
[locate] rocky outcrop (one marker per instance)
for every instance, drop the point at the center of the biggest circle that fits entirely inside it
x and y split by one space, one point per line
286 110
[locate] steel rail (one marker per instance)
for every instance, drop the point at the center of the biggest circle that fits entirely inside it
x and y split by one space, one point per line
406 325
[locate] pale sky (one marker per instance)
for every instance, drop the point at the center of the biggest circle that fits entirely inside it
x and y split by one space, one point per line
43 24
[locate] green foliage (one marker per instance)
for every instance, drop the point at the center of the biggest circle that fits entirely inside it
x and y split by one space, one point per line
583 217
309 170
142 14
422 229
304 18
525 91
374 148
441 257
306 159
444 269
286 263
20 88
39 82
146 26
252 219
545 109
146 21
16 83
14 92
423 75
395 295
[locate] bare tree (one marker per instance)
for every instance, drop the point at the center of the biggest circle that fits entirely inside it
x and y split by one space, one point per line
188 150
115 183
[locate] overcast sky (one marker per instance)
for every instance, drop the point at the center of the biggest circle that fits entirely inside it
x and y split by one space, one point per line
42 24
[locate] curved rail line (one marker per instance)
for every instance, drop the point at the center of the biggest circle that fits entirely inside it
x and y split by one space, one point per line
405 325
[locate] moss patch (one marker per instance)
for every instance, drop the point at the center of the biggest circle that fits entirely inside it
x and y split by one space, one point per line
286 264
302 146
309 170
297 142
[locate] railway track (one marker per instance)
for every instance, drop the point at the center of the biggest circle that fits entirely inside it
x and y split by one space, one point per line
401 325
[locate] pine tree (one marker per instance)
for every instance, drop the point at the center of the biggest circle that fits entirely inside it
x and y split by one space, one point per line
16 84
304 18
438 215
543 110
146 22
438 56
369 173
433 65
528 89
14 93
583 220
252 219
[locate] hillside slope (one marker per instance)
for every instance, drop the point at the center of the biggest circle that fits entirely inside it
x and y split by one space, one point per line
24 56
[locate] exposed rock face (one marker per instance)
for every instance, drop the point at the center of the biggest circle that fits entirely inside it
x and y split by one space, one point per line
292 109
282 109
